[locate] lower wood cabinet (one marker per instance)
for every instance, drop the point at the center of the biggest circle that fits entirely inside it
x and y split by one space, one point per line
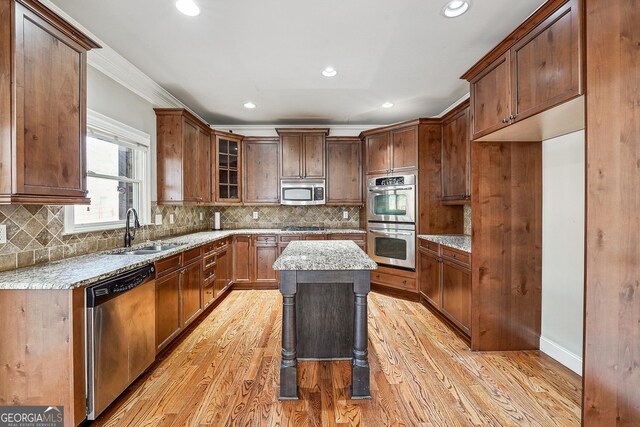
444 277
224 267
241 259
265 255
253 258
190 293
168 324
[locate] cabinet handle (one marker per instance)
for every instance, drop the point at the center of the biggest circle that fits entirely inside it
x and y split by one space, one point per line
505 120
512 117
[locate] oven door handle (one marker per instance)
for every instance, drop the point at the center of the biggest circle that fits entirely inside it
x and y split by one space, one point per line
391 188
391 233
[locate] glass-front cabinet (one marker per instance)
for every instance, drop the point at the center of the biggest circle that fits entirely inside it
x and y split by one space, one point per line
228 170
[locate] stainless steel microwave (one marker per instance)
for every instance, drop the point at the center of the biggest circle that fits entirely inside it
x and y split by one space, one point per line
302 192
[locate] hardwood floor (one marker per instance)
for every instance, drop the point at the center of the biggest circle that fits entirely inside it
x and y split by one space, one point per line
225 372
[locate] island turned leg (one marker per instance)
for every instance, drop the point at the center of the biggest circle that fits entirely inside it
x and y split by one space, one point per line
360 364
289 362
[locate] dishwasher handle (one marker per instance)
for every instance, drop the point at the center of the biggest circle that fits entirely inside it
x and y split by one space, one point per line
111 288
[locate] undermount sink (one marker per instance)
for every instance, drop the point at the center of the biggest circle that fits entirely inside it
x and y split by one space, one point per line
147 250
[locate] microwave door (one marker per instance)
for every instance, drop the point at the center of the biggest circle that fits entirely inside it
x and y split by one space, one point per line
297 195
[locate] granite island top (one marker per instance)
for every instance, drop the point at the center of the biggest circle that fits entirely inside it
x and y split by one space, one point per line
456 241
328 255
89 269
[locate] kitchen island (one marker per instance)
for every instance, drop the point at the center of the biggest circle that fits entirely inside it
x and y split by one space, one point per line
324 286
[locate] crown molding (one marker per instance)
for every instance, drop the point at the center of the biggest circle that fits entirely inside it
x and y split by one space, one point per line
270 130
115 66
454 105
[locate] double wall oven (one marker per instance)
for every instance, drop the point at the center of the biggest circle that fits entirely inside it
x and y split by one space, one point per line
391 219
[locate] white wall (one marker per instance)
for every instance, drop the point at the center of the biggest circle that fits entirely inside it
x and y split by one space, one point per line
108 97
563 212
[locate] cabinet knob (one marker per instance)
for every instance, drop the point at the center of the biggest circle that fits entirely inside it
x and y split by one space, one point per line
505 120
512 117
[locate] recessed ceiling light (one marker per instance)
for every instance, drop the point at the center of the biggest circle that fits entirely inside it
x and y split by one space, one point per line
329 72
456 8
249 105
387 105
188 7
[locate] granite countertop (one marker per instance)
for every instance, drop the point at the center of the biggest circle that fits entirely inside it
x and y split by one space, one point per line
456 241
332 255
89 269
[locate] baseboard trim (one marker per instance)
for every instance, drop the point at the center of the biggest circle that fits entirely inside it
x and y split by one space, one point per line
561 354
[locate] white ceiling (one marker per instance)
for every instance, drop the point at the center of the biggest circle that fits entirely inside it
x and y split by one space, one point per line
272 53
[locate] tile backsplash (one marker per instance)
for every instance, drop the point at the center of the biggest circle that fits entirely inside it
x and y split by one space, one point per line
235 217
35 233
467 219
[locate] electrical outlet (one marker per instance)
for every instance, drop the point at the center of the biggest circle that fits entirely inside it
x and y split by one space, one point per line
201 216
158 219
3 234
345 214
172 219
255 215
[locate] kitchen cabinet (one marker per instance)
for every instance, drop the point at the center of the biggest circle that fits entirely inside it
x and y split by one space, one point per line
241 259
168 322
228 168
184 166
302 153
261 169
344 172
43 64
191 292
444 278
539 67
265 253
223 269
392 150
456 156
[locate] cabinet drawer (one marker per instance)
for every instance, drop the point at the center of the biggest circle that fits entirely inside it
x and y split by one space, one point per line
456 255
359 238
430 246
290 238
222 243
262 240
208 277
315 237
208 248
167 265
399 282
208 261
191 255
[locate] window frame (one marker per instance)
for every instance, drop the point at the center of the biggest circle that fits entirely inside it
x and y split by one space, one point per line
102 127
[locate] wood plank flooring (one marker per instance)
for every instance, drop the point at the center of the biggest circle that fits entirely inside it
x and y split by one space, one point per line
225 373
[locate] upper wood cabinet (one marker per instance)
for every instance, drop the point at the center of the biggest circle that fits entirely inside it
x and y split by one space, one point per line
391 150
344 171
228 168
456 156
43 63
302 153
535 68
261 163
184 168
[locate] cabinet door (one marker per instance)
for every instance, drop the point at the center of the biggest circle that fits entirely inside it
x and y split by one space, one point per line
456 294
378 153
191 292
241 259
491 98
456 155
291 156
429 278
262 185
546 65
189 162
222 272
314 150
203 167
168 324
50 73
344 172
265 256
404 152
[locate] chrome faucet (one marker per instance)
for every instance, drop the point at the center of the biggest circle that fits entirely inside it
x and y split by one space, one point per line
127 234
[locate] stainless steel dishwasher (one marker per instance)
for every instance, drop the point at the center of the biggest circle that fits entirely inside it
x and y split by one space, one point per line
121 333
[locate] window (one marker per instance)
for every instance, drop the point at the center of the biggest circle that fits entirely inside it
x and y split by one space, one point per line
117 176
